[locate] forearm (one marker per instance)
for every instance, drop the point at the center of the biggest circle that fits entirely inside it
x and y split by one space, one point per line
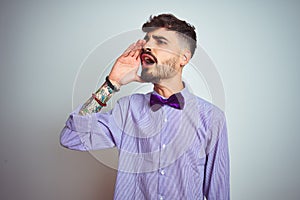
95 103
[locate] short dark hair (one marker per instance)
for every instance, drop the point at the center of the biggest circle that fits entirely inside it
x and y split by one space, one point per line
171 22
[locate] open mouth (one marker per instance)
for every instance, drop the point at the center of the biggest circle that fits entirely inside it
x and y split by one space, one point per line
148 59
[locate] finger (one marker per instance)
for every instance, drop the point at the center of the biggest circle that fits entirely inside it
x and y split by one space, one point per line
140 44
138 48
128 50
132 52
137 54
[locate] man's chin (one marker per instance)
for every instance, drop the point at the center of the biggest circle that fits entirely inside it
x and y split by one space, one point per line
148 77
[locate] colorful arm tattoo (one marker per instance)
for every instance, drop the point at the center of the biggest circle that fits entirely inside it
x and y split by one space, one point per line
104 93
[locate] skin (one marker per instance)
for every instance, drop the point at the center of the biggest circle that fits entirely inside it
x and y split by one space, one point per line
166 75
171 58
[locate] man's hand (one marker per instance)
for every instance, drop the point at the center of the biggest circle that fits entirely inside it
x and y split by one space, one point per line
126 66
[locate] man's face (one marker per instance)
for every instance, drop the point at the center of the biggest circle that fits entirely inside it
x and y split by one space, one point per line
160 56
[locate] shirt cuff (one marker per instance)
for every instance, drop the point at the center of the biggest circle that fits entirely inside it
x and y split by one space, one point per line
80 123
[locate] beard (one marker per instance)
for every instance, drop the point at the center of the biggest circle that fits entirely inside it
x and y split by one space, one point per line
160 71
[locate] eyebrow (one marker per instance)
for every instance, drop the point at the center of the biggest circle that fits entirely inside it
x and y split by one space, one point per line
156 37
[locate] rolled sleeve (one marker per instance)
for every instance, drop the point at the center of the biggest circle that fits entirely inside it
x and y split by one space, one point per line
91 132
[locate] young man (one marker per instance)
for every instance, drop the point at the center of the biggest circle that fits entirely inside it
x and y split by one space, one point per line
172 144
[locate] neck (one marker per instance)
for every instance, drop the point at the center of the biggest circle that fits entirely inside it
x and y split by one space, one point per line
168 87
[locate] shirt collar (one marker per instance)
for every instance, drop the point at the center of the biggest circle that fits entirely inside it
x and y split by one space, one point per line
185 92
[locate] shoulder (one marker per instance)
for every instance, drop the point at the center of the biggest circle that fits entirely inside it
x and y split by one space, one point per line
209 114
135 102
207 107
136 98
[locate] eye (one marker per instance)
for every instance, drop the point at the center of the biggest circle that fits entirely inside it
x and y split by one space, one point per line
161 42
146 38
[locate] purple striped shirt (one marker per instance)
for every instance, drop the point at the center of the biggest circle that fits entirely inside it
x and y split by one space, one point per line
165 154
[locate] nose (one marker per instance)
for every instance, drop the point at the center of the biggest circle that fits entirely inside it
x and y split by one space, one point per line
148 46
147 49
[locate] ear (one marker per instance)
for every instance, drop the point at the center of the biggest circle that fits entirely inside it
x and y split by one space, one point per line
185 57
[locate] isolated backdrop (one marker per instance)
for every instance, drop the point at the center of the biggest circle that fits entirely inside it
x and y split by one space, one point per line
255 48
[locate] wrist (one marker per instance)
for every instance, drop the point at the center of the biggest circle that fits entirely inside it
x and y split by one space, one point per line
98 99
103 94
113 84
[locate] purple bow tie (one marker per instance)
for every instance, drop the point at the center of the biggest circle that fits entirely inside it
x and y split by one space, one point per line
175 101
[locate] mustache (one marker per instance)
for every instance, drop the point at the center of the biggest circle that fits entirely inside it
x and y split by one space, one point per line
149 53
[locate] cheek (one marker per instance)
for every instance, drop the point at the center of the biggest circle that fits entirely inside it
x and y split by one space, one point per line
164 55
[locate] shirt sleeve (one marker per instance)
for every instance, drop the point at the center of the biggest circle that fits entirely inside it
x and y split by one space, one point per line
217 181
94 131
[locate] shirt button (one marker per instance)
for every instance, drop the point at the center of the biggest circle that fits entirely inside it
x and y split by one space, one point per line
163 146
162 172
165 119
161 197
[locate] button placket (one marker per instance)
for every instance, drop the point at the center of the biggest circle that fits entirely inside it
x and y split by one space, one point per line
161 197
161 171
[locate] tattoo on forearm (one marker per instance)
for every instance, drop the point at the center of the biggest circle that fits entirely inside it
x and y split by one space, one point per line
104 93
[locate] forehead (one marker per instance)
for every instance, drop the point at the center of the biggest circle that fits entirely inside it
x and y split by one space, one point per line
163 32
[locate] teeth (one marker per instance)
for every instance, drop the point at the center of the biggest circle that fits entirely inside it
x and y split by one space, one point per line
149 60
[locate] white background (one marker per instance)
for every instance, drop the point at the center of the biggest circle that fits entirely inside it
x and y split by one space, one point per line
254 45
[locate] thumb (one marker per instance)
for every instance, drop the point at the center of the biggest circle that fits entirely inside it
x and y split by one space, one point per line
139 79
